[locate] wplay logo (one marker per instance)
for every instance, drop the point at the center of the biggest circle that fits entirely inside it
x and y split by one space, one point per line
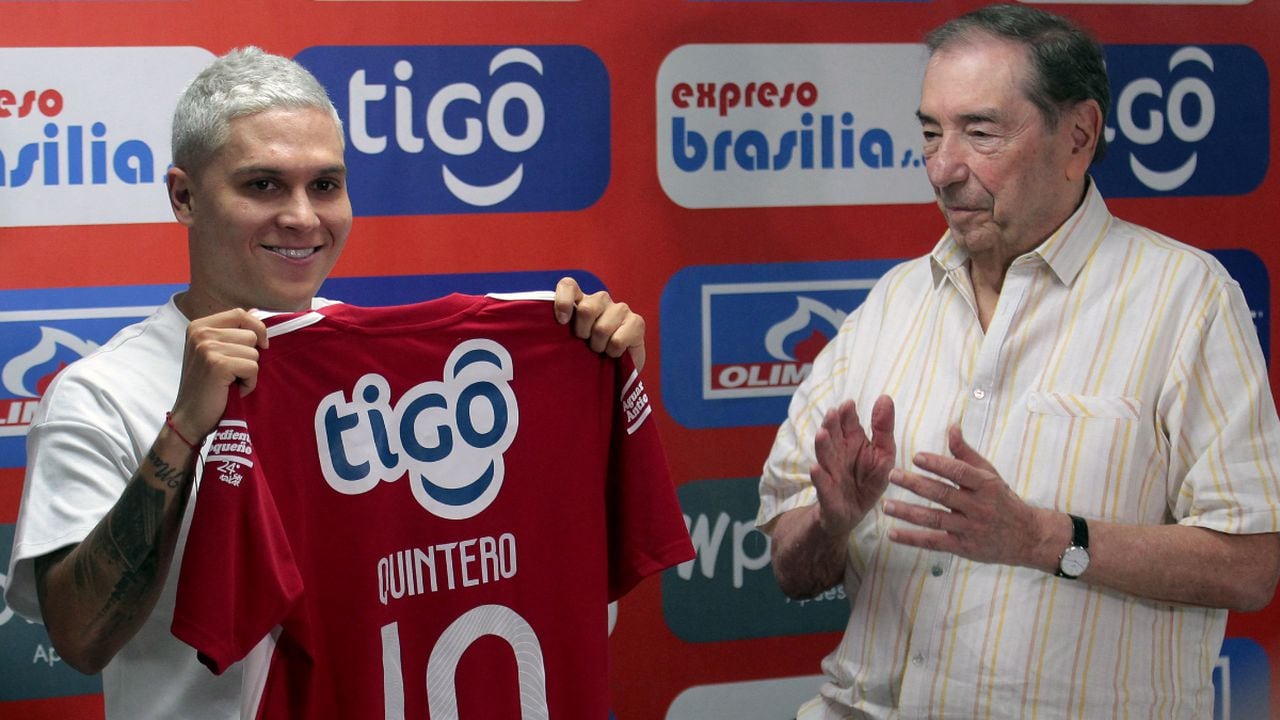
1185 120
435 130
704 600
448 436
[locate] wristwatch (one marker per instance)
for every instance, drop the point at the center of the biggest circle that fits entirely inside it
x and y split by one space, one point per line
1075 559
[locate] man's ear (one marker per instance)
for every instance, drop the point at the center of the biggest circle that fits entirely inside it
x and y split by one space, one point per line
180 194
1085 122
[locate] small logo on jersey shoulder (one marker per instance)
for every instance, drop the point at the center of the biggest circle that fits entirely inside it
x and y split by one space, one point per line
230 450
635 402
448 436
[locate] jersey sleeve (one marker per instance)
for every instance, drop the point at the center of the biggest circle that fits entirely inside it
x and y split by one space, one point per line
647 531
238 577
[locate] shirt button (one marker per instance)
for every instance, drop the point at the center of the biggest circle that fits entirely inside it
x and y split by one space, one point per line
937 570
979 393
917 659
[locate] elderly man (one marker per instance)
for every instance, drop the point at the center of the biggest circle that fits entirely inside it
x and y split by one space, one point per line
1069 473
259 181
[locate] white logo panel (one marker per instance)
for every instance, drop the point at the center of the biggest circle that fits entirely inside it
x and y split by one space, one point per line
791 125
84 132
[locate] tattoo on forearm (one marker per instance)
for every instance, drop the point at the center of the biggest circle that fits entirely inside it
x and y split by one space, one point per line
171 475
129 540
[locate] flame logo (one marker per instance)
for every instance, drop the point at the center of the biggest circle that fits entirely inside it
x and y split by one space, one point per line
806 308
16 370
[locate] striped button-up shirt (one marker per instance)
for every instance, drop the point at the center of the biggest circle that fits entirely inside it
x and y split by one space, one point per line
1120 378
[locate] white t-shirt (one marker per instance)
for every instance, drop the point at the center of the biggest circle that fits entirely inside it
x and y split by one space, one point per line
96 422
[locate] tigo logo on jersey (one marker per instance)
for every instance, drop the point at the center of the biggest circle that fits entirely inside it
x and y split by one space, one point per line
43 331
738 340
435 130
84 132
447 435
1185 120
783 125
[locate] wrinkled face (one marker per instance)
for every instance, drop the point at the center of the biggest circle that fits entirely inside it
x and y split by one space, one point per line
268 215
1000 173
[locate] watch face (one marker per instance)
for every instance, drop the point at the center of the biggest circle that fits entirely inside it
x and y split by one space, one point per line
1074 561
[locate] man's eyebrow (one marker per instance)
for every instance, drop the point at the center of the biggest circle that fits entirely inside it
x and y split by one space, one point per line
338 169
980 116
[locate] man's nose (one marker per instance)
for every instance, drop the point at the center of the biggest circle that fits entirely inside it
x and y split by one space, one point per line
947 164
299 212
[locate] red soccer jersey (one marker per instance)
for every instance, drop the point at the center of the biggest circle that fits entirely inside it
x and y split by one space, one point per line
427 509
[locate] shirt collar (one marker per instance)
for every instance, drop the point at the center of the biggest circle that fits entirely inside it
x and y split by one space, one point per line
1064 252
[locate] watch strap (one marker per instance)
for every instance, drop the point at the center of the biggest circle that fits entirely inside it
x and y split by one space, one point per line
1079 539
1079 532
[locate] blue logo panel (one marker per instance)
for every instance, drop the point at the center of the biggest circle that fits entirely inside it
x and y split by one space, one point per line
1242 681
1185 120
455 129
42 331
738 339
1249 270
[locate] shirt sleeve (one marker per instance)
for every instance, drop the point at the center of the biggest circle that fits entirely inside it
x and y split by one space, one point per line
1221 423
79 460
238 578
784 481
647 531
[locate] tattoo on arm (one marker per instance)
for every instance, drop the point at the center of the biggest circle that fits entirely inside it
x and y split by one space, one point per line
41 566
128 542
171 475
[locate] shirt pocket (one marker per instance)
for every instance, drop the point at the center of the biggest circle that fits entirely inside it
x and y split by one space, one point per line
1086 451
1071 405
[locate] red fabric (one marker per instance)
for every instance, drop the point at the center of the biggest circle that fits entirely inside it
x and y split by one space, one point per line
584 510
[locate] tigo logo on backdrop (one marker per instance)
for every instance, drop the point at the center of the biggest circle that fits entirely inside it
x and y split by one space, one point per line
84 132
434 130
1185 120
787 125
738 339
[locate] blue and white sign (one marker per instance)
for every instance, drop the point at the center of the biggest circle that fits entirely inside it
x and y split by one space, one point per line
469 129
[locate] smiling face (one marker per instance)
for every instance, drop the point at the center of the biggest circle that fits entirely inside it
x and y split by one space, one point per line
1004 179
267 216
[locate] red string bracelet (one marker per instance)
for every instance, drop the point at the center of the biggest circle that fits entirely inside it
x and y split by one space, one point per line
168 420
